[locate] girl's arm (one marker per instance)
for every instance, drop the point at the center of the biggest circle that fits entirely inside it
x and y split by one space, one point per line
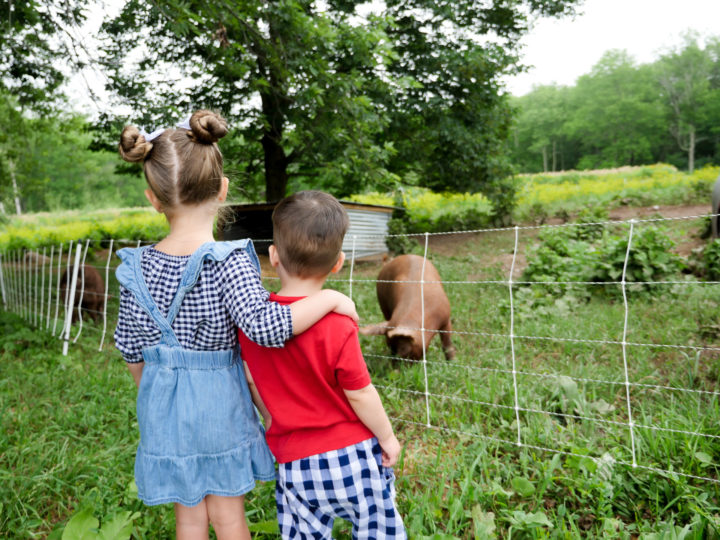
257 400
136 369
268 323
369 409
311 309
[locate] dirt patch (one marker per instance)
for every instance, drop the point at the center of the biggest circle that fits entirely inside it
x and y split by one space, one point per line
628 212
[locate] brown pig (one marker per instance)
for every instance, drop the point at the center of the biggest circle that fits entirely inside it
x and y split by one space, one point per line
93 293
402 308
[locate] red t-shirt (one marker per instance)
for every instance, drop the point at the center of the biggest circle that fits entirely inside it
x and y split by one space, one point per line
302 387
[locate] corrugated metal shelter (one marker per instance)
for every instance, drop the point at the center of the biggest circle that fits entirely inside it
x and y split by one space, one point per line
368 227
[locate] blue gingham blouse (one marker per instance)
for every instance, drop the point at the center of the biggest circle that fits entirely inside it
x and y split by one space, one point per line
227 295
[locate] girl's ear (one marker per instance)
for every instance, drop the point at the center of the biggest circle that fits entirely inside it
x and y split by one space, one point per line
223 189
153 200
338 265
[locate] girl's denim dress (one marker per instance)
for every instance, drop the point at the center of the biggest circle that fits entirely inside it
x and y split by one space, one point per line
199 431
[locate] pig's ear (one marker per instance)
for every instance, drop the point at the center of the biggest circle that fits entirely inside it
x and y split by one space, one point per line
374 329
400 332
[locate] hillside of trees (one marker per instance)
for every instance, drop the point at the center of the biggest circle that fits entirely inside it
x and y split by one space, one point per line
622 113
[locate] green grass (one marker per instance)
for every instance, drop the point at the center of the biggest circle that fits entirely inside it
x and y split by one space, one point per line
68 432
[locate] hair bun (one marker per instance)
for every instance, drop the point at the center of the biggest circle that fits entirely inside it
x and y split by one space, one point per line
133 147
208 127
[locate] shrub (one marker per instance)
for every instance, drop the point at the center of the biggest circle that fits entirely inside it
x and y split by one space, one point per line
426 211
650 258
563 257
711 260
39 230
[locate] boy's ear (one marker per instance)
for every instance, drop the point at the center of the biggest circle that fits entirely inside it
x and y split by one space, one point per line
153 200
274 259
338 265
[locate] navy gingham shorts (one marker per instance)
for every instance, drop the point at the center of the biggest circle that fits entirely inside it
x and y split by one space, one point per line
349 483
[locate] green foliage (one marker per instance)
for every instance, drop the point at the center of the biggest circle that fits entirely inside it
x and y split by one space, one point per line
426 211
36 41
48 158
549 194
348 99
85 526
711 260
650 259
40 230
591 255
623 114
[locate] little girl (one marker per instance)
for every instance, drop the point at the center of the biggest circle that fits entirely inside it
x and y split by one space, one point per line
201 445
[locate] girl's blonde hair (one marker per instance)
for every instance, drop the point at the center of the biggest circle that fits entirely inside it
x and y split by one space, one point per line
181 166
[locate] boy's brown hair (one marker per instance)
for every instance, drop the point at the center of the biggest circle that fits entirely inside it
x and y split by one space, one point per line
308 232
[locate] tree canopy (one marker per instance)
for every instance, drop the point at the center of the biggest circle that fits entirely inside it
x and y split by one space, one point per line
328 94
622 113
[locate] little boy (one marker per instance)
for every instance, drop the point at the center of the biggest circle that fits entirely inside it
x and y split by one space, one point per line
325 422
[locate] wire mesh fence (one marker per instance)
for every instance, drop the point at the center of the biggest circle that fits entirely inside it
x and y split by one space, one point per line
594 381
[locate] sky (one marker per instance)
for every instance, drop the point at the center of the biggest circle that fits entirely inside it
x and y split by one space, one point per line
560 50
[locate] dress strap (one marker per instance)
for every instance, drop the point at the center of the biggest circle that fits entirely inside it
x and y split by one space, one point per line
129 274
217 251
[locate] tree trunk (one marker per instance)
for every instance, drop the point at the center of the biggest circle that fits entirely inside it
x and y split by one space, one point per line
545 159
554 156
276 176
16 191
691 150
276 162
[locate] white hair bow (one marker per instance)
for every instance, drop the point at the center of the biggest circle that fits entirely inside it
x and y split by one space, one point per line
185 124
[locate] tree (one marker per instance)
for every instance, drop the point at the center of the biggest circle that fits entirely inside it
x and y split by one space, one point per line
37 38
615 114
541 124
323 94
686 76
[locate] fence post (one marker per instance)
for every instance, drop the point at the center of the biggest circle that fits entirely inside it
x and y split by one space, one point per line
107 275
57 286
422 332
352 265
623 284
2 284
71 299
50 284
512 338
82 290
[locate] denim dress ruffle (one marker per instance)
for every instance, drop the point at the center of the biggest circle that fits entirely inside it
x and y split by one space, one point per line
199 431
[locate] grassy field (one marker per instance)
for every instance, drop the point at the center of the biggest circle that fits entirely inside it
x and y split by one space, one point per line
68 430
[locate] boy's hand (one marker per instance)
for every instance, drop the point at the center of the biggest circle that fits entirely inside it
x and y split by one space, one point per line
390 451
345 306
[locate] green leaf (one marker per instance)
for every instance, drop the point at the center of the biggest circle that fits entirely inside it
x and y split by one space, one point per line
483 523
82 525
703 458
523 486
119 527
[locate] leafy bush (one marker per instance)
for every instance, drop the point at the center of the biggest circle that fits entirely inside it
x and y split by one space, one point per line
571 254
650 258
34 231
711 260
426 211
